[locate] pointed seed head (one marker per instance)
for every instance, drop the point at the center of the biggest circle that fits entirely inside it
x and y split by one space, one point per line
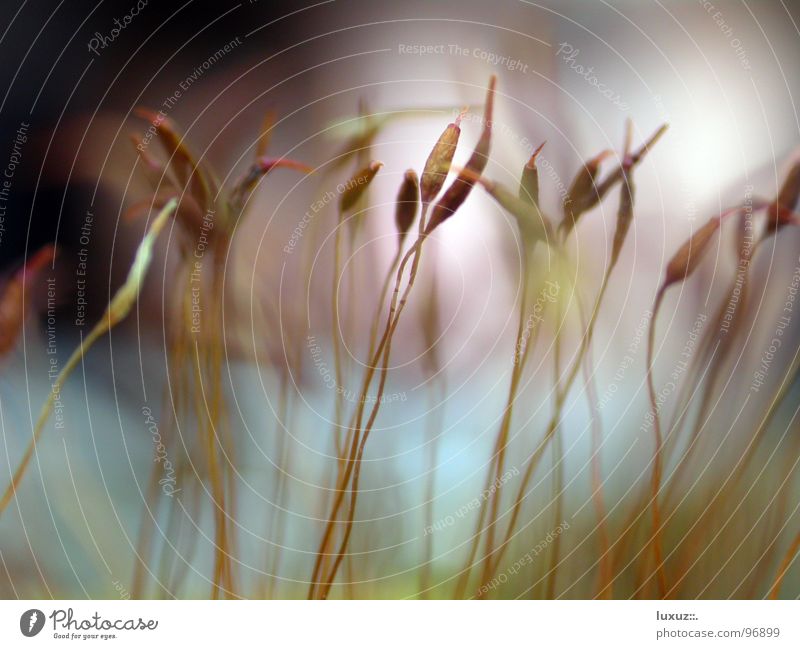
354 188
407 204
457 193
438 163
690 254
582 194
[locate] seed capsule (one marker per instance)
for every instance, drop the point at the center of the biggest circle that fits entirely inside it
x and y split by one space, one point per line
357 185
582 193
407 204
188 171
690 254
171 141
438 163
457 193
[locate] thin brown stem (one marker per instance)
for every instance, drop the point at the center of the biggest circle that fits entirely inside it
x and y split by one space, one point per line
395 312
655 485
434 425
535 457
354 445
501 440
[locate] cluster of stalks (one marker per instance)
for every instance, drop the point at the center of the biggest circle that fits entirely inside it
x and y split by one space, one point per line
208 216
703 386
637 561
586 192
413 196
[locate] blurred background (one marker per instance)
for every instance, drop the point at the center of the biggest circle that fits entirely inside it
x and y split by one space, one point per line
569 73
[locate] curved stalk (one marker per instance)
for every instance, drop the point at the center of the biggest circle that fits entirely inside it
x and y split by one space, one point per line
395 311
117 310
369 374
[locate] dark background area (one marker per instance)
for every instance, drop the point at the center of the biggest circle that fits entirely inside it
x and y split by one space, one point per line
44 55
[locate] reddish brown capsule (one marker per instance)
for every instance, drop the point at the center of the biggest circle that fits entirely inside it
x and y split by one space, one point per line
743 241
354 188
457 193
171 141
38 260
187 170
690 254
582 193
407 204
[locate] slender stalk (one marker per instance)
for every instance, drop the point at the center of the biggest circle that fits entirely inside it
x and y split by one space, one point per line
117 310
714 372
280 496
395 312
655 485
368 375
558 458
144 542
193 508
780 513
180 394
44 413
373 332
342 439
535 457
501 439
606 562
558 509
374 355
434 424
505 427
737 473
176 351
337 361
